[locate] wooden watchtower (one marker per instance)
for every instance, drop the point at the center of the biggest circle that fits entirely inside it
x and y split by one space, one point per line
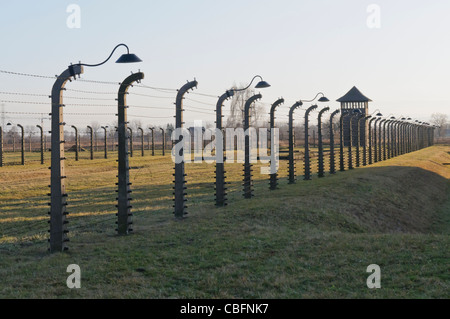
355 100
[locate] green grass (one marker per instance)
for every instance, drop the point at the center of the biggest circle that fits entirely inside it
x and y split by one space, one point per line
309 240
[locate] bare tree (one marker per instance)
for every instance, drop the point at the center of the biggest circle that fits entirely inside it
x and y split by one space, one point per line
440 120
135 125
30 129
95 127
236 117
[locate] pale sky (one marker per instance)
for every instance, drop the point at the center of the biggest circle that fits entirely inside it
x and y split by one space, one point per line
299 47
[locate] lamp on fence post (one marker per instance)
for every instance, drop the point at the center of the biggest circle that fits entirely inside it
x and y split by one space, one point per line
307 160
58 228
248 191
41 142
142 141
105 128
22 144
291 136
152 129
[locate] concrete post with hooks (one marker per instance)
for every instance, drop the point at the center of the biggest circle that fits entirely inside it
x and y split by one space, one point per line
180 176
221 189
291 142
388 141
375 137
58 223
358 140
341 143
350 143
384 139
273 184
22 144
1 146
397 139
124 215
332 152
380 143
130 130
77 148
105 140
142 141
41 131
307 160
163 133
91 132
248 182
152 129
321 164
371 140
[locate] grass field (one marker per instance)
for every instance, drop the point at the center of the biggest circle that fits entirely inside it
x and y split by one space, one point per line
309 240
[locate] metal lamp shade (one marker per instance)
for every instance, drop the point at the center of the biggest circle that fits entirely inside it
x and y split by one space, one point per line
262 85
129 58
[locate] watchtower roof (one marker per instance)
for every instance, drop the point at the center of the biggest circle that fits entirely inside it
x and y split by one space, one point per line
354 95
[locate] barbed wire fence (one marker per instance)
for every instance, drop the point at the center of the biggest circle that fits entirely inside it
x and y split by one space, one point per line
92 100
